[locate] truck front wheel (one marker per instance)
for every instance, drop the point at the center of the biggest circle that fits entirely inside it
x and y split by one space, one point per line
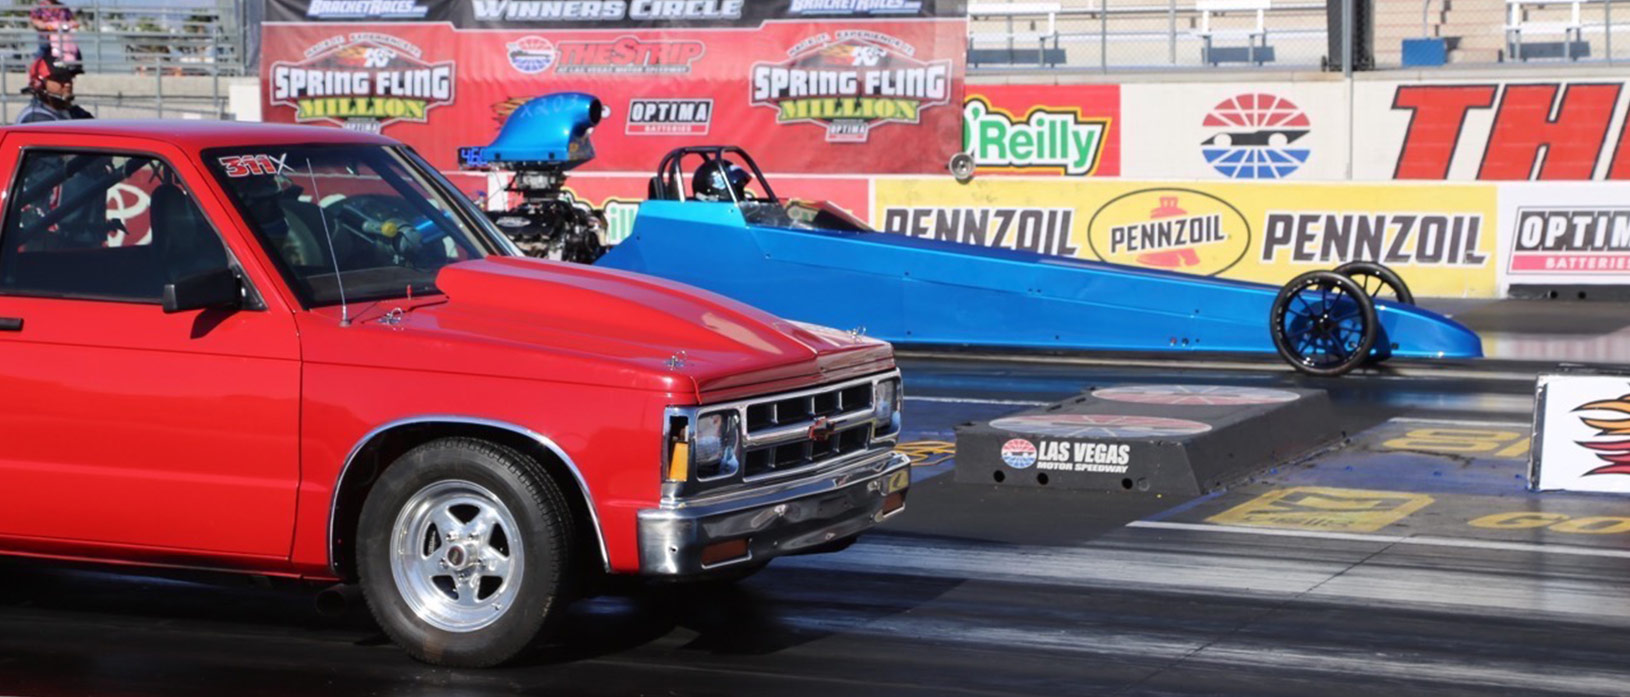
464 552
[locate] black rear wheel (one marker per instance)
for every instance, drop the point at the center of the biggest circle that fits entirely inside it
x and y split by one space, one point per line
1323 323
1377 281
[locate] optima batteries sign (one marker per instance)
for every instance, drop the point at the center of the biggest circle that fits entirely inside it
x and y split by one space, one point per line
807 87
1565 234
1572 240
1442 239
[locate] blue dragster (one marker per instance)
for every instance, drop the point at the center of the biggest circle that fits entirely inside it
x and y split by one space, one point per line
713 221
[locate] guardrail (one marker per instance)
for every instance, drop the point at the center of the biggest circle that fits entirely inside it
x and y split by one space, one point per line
1573 28
1136 35
115 38
152 45
1100 35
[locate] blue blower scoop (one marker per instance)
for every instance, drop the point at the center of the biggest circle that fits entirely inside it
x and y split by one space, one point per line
552 130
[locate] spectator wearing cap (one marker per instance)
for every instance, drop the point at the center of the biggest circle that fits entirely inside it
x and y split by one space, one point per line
51 84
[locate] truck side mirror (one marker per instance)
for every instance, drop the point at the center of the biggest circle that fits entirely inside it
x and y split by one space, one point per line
216 288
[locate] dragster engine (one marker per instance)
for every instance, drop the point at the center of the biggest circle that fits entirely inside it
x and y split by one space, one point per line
541 141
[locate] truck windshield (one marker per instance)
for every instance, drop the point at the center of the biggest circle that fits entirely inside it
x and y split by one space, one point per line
351 222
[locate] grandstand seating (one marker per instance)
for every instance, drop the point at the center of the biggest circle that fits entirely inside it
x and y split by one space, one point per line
1117 34
1150 34
1570 30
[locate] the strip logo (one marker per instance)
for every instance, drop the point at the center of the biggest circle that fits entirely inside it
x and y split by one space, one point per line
1547 131
628 55
1046 138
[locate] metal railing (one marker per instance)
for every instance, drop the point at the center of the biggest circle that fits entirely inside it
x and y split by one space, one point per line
115 38
154 102
1133 35
1112 35
1540 29
171 59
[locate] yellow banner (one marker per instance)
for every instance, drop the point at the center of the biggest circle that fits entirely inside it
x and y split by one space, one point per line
1440 238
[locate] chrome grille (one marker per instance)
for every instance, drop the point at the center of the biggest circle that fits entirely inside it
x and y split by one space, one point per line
779 429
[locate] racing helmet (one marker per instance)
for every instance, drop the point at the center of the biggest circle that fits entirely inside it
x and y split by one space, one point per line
720 180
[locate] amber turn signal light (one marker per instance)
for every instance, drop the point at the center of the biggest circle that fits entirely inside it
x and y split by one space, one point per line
893 502
720 552
678 463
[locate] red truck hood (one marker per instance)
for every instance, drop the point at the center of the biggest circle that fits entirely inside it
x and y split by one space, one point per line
626 328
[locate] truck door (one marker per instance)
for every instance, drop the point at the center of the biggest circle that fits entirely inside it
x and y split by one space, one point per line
121 426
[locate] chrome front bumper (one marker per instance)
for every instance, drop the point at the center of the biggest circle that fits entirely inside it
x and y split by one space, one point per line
776 519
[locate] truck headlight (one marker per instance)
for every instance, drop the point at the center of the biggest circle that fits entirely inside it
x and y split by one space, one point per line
886 406
714 448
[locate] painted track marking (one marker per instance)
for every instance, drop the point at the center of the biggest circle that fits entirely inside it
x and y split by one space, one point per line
1422 540
1188 362
1464 422
972 400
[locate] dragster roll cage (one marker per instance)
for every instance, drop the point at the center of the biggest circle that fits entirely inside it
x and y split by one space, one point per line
669 182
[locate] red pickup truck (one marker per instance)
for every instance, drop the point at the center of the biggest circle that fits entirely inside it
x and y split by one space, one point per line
299 352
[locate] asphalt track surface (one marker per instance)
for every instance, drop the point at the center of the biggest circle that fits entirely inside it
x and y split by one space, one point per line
977 590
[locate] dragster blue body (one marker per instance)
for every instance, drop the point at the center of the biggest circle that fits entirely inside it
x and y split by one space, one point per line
921 291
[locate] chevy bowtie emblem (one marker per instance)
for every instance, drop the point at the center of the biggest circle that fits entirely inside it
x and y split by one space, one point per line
822 430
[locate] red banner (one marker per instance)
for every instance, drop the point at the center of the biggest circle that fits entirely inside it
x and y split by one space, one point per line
1073 130
807 96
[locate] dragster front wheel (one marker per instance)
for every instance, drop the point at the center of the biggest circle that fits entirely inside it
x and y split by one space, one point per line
1377 281
1323 323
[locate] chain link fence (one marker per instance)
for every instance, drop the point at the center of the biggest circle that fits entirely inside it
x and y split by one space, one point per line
141 59
1145 34
1134 35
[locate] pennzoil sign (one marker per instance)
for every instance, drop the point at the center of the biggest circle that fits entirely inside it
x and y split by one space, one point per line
362 81
851 81
1174 229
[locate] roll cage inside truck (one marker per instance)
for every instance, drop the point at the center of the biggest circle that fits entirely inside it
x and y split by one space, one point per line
298 352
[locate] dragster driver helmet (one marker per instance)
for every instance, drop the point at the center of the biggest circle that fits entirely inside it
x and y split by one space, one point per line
720 180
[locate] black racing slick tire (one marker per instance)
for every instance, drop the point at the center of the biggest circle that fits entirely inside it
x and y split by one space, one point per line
1379 282
1323 324
465 552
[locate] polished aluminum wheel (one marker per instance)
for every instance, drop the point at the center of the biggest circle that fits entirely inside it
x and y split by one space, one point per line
457 556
